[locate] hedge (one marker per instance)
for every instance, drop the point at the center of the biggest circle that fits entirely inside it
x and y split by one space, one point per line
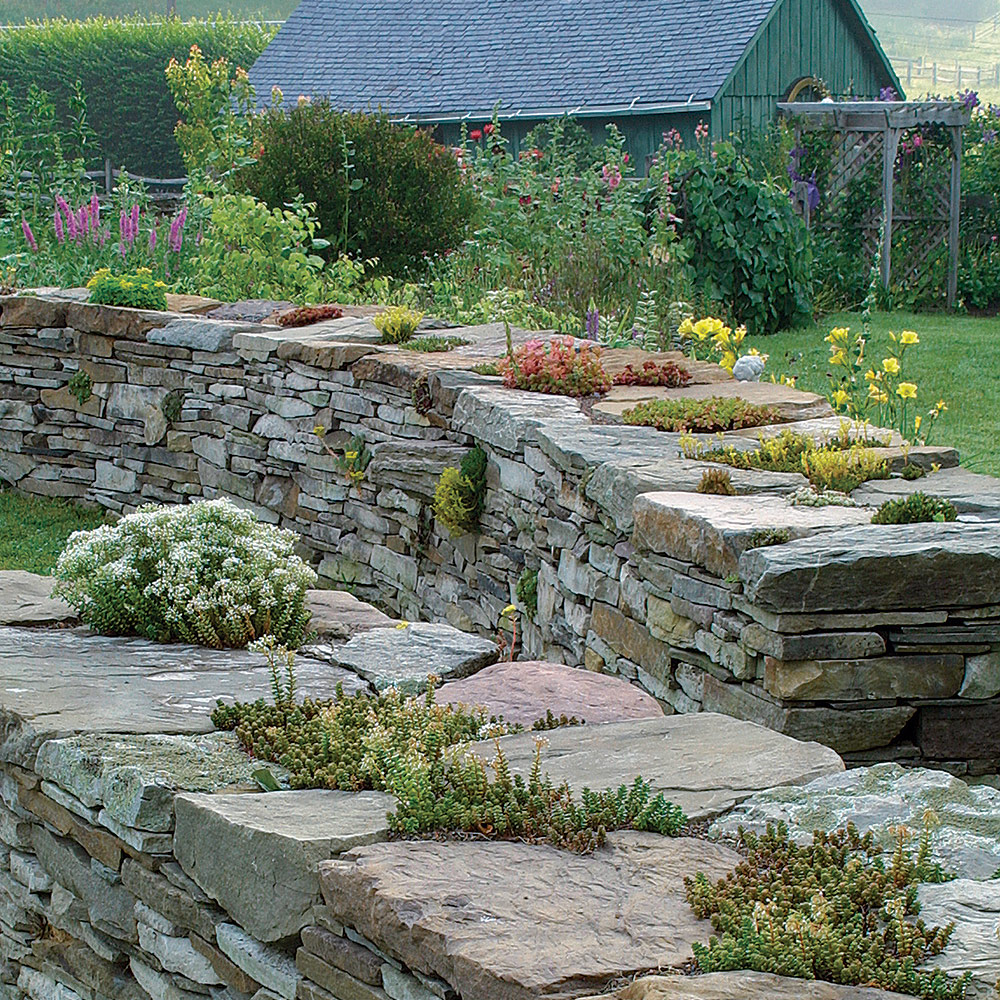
121 65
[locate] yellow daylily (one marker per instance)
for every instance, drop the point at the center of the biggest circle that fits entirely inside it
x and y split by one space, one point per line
838 356
908 338
906 390
839 335
840 398
890 366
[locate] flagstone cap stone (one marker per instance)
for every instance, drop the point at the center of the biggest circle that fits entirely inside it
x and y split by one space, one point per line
714 531
523 691
61 682
743 986
705 763
25 600
513 921
258 854
336 614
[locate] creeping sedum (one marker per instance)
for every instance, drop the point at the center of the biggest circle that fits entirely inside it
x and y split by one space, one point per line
207 573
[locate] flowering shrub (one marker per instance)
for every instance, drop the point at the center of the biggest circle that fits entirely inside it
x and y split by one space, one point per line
870 384
668 374
307 315
397 324
704 416
207 573
139 290
559 367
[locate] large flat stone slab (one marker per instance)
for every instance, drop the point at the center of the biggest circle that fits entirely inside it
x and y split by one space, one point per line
524 691
403 657
970 492
965 819
743 986
133 779
25 600
63 682
878 567
258 854
714 531
336 614
515 921
704 763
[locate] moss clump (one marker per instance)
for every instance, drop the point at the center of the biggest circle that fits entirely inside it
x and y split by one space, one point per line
460 496
915 509
832 911
705 416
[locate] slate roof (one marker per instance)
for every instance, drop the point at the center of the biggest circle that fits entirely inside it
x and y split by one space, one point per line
452 57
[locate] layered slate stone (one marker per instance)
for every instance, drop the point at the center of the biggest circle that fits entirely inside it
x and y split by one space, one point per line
405 656
703 763
25 599
514 921
336 614
742 986
60 682
965 819
522 692
878 568
971 492
258 854
714 531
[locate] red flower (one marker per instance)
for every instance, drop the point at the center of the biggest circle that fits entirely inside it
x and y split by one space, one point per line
524 200
537 154
489 129
475 135
625 159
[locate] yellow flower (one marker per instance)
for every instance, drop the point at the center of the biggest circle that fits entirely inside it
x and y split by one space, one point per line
403 624
839 335
350 455
908 338
838 356
941 407
511 609
840 398
890 366
917 421
906 390
319 430
872 376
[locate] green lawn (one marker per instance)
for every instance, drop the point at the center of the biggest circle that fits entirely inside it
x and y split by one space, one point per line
33 530
18 11
954 361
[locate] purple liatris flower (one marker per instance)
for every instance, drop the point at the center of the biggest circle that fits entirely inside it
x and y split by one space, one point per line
29 235
135 221
152 240
123 221
593 323
57 224
95 211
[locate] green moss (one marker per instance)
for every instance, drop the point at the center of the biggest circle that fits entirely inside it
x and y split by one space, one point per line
433 343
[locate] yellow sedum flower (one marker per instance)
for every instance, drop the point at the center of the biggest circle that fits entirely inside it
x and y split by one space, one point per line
906 390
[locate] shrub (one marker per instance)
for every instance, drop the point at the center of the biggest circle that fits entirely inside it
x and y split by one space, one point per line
252 251
559 367
718 482
408 747
831 911
434 344
120 65
667 374
914 509
206 573
383 191
719 413
460 496
526 591
397 324
139 290
307 315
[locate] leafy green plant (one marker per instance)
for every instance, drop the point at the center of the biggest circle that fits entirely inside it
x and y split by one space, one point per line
526 591
172 405
80 386
207 573
718 482
402 194
832 910
433 343
720 413
491 368
138 290
397 324
549 721
915 509
120 66
460 496
560 366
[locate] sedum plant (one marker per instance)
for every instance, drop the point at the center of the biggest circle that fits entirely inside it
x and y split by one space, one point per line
207 573
915 509
138 290
460 495
666 374
707 416
717 482
832 910
560 367
397 324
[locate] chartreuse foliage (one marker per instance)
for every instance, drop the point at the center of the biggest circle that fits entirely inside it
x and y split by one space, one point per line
832 910
460 495
411 748
139 290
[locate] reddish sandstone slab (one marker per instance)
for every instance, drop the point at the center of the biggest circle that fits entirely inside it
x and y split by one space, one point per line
523 692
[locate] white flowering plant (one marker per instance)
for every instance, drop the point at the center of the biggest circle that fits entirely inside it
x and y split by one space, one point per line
207 573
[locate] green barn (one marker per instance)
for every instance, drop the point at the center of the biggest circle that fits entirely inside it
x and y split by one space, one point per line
649 66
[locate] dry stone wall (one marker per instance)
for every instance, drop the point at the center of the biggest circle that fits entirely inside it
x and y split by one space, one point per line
882 642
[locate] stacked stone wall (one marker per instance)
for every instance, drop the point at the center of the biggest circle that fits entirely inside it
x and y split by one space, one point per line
880 642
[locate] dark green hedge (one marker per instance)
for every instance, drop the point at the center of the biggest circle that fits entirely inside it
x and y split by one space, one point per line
121 65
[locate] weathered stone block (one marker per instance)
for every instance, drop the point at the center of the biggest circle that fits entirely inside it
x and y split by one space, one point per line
818 645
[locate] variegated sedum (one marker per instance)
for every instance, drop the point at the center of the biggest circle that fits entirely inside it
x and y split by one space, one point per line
206 573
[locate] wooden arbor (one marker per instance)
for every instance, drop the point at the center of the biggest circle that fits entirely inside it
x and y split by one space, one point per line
865 130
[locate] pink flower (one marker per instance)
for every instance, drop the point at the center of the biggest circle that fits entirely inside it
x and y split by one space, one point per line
58 224
475 135
152 240
29 235
489 129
